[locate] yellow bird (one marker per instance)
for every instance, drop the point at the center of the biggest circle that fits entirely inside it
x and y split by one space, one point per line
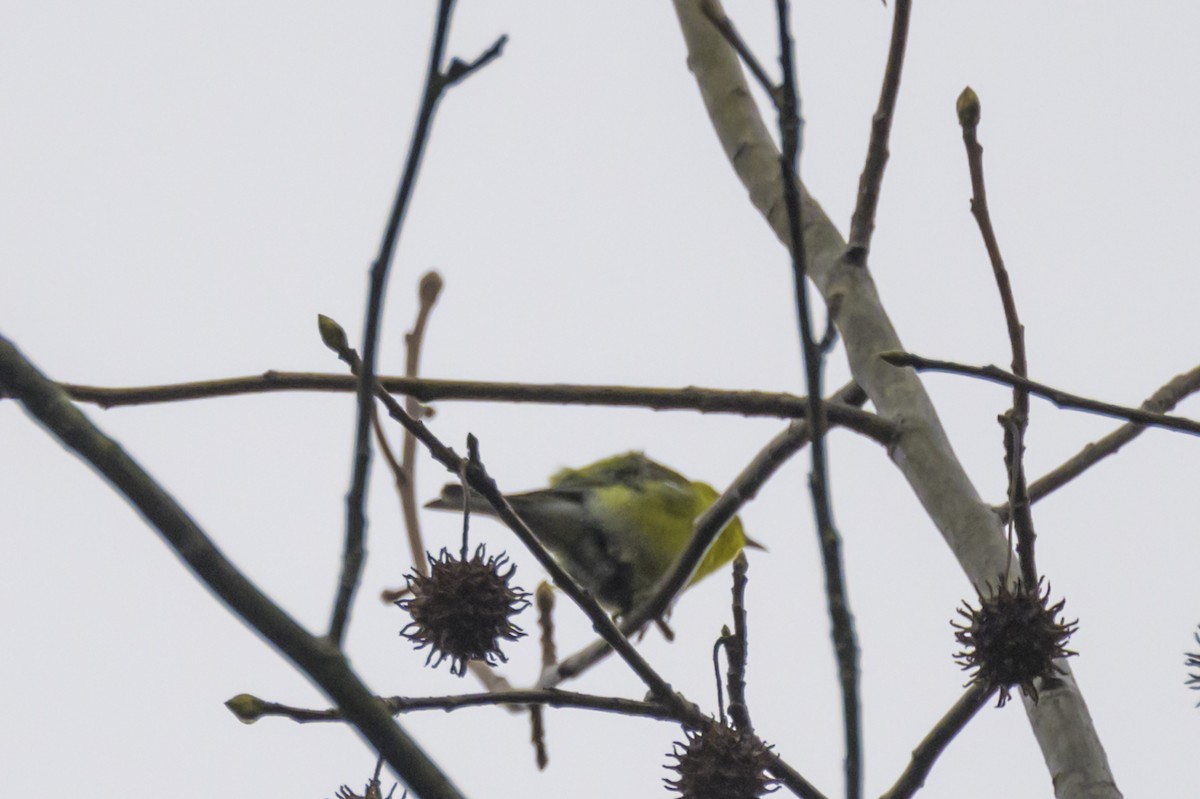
616 525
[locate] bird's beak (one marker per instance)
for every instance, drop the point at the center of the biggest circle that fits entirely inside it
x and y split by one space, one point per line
752 544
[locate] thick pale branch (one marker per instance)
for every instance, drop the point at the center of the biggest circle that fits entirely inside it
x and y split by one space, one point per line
1072 750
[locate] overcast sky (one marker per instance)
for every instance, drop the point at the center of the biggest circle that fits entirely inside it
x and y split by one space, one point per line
184 187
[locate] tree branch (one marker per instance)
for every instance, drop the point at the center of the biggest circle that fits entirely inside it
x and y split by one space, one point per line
1166 398
973 532
322 661
862 223
1062 399
704 400
540 697
436 82
932 746
430 288
1016 421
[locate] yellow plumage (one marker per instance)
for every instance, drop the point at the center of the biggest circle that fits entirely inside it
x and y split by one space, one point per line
616 525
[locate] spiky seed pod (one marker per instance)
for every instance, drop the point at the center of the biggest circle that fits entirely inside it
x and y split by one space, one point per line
718 762
461 611
1193 662
1013 639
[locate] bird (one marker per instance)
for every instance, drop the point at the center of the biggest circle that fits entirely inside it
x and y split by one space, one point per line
615 525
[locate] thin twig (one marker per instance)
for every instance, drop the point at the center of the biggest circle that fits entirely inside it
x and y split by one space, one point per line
544 600
460 70
394 466
316 657
1016 422
792 779
736 649
436 82
845 641
541 697
537 736
718 645
932 746
705 400
427 294
725 26
1060 398
489 678
1164 399
862 223
546 698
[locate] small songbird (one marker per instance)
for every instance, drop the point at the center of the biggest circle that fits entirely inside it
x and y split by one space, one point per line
616 525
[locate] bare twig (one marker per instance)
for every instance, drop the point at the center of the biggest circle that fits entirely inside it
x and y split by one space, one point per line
537 736
1016 421
718 645
395 467
736 649
862 223
490 679
544 600
436 82
725 26
317 657
1164 399
704 400
540 697
928 751
460 70
427 293
794 780
1060 398
845 643
404 473
546 698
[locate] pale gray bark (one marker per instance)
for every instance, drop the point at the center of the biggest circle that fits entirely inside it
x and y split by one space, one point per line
1073 752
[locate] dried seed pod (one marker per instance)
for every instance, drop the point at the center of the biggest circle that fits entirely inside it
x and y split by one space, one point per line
1013 639
718 762
461 611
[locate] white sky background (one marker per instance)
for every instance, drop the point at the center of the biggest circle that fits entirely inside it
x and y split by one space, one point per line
184 188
